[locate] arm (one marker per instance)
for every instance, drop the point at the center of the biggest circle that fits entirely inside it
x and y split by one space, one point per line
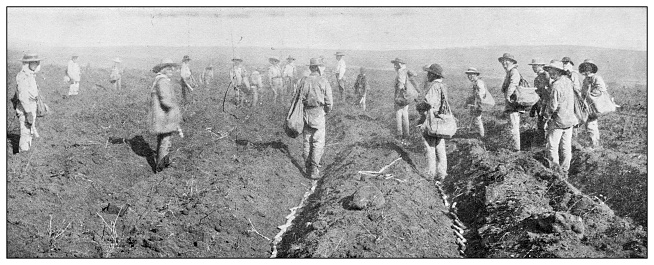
26 94
341 70
165 93
553 103
598 86
328 96
270 75
514 80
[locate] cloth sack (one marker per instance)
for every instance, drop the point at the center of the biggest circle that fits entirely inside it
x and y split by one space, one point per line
42 109
601 104
582 109
524 95
294 124
441 123
487 101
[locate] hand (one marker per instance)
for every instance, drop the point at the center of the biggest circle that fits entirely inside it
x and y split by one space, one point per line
29 117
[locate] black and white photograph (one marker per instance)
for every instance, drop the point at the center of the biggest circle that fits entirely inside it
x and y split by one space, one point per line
365 132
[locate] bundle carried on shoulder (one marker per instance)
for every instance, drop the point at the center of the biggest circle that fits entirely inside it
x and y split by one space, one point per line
601 104
440 122
582 109
42 109
294 124
524 95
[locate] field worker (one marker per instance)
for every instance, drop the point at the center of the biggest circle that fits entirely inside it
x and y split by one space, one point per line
116 74
207 75
511 81
74 74
187 77
25 99
593 85
240 82
165 114
317 99
575 76
560 116
401 100
340 73
275 77
361 87
288 75
478 92
255 85
542 84
434 146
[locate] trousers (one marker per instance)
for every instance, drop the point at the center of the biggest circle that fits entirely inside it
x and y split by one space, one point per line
26 132
185 91
436 157
560 138
402 120
163 145
592 127
477 122
277 86
314 144
341 86
73 89
514 129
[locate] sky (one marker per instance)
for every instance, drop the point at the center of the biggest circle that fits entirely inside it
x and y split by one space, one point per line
329 28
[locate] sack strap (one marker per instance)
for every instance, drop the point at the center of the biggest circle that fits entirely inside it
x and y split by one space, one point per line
444 103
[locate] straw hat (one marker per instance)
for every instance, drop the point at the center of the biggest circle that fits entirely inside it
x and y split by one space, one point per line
567 60
237 58
339 54
186 58
398 60
588 62
30 57
555 65
164 63
507 56
315 62
435 69
537 61
117 60
472 71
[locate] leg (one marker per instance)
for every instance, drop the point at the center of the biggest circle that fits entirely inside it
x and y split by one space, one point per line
514 119
566 148
25 141
430 154
318 146
480 124
405 121
120 83
163 148
593 130
553 140
255 95
307 134
363 102
441 158
540 129
398 120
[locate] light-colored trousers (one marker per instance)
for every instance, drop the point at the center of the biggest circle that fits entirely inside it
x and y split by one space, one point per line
477 122
402 120
564 138
514 129
255 94
592 128
277 87
314 144
73 89
436 157
164 142
26 132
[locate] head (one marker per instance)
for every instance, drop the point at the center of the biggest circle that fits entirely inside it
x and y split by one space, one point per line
314 68
398 65
587 68
362 70
33 65
473 77
290 60
74 58
507 64
568 65
338 57
237 62
434 71
433 76
537 67
273 61
555 73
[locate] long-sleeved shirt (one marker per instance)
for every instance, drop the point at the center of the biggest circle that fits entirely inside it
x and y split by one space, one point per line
479 91
255 79
317 99
577 80
542 83
238 75
361 85
289 70
115 73
400 82
560 108
185 71
73 71
274 72
340 69
593 85
435 94
26 90
164 115
511 82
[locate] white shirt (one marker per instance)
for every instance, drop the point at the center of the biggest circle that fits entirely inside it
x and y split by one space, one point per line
289 70
185 71
27 90
73 71
340 68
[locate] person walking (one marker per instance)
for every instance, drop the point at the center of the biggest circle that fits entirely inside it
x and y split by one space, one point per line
288 76
593 85
25 99
240 81
340 73
187 79
361 87
478 93
434 100
74 74
165 114
542 84
560 116
401 99
275 77
511 81
316 95
116 74
255 84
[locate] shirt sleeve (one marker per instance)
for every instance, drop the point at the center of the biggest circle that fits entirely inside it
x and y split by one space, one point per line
341 70
25 94
514 81
599 84
328 95
165 93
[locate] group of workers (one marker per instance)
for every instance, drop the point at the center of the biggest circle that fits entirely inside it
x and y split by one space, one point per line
556 82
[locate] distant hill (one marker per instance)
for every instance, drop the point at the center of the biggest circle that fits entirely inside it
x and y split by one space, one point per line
619 66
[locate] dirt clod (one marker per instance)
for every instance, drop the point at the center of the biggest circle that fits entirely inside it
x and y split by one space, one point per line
367 197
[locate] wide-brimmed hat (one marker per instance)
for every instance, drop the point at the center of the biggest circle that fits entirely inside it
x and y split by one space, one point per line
566 60
589 62
555 65
237 58
186 58
74 55
315 62
398 60
117 60
273 58
472 71
164 63
30 57
537 61
339 54
435 69
507 56
290 58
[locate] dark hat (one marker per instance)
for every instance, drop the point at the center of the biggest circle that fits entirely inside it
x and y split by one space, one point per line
273 58
435 69
472 71
164 63
567 60
186 58
398 60
339 54
537 61
588 62
507 56
315 62
290 58
555 65
237 58
30 57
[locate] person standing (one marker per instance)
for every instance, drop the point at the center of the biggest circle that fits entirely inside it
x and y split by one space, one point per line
288 76
478 93
316 95
434 99
593 85
361 87
238 75
511 81
116 74
575 76
275 77
186 80
207 75
165 114
74 74
542 84
560 116
401 99
25 99
340 73
255 84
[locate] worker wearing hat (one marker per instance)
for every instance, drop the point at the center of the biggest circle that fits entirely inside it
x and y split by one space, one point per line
361 87
288 75
317 100
187 79
433 101
256 83
275 77
542 84
593 85
401 100
340 73
479 91
165 114
207 75
560 116
116 74
511 82
25 99
240 81
575 76
74 75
